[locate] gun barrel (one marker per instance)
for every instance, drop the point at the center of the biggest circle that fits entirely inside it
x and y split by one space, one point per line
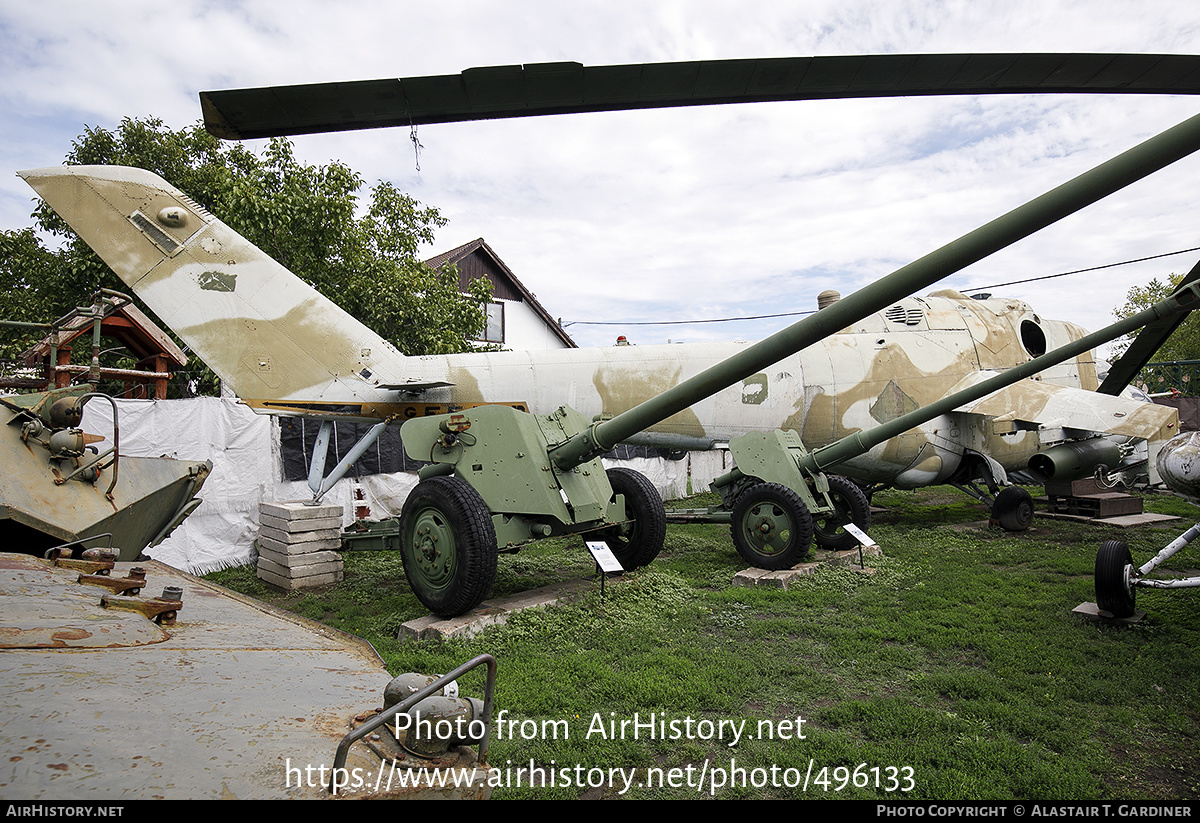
853 445
1126 168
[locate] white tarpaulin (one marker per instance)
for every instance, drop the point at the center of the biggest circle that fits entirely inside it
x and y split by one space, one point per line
243 448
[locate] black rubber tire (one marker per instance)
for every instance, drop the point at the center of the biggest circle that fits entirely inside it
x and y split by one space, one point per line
851 505
638 542
1013 509
772 528
448 544
1113 565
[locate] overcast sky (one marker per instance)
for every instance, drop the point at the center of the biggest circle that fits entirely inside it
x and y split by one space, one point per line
678 214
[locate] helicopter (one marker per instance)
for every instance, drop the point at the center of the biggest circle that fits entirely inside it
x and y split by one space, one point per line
285 349
833 389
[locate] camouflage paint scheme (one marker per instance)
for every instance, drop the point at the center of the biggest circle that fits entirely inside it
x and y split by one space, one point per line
284 348
45 498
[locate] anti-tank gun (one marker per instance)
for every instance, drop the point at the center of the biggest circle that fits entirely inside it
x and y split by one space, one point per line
500 478
771 498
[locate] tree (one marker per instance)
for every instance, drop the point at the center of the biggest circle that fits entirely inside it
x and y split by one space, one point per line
30 284
306 217
1184 343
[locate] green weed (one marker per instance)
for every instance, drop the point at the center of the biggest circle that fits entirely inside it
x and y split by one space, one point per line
956 663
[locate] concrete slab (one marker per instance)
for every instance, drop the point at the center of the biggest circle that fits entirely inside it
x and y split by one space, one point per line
1090 611
300 537
292 560
289 584
493 612
311 524
302 547
298 572
1143 519
1122 521
298 510
785 577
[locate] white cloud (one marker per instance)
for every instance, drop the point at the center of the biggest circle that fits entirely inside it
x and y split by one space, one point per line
660 214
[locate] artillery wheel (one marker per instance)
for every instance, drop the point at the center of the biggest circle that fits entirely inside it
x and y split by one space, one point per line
850 506
772 528
448 544
1013 509
1114 566
638 542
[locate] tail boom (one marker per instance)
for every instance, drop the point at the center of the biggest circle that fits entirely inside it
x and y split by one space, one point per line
267 334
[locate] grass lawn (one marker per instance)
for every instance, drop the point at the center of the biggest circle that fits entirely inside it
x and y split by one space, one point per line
954 671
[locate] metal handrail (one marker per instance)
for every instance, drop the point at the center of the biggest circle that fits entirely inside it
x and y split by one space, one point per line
343 749
115 451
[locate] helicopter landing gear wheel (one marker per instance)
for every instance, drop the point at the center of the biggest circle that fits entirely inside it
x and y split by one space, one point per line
850 506
448 544
639 541
772 528
1114 568
1013 509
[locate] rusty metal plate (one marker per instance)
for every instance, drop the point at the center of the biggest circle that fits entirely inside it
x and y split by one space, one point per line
43 607
233 696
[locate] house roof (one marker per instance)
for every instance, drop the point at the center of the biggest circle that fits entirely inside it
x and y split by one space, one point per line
128 324
505 284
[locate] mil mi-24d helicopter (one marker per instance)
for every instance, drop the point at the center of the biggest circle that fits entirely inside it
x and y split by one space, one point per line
880 387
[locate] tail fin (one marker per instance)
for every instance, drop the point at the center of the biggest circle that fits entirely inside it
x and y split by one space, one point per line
271 337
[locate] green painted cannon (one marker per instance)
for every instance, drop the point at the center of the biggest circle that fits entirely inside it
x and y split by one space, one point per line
500 478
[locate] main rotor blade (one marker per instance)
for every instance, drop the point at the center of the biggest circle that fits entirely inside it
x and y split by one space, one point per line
1144 346
565 88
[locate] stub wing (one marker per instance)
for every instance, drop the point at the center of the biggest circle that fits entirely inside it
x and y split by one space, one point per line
1034 404
274 339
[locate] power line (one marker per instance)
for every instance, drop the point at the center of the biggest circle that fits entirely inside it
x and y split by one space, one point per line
800 313
683 322
1080 271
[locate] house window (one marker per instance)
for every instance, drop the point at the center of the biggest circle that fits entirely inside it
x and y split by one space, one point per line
494 333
